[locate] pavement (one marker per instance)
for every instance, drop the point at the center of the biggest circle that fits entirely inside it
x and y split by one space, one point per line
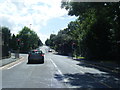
6 61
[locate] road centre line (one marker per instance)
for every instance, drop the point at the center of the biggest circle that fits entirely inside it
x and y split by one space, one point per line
75 68
58 71
56 67
89 76
64 80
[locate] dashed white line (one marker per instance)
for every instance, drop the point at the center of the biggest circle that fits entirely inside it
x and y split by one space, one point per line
64 79
56 67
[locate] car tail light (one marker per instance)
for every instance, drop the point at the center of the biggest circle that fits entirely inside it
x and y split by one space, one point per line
42 54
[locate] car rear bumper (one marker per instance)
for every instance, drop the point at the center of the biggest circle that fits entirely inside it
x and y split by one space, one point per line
34 60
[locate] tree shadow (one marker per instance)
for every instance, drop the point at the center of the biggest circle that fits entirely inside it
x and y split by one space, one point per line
60 54
35 63
88 80
97 67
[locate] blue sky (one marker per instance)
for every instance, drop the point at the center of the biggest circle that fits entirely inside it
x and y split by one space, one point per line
56 24
45 16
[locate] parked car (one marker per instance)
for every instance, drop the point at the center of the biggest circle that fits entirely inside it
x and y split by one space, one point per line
36 56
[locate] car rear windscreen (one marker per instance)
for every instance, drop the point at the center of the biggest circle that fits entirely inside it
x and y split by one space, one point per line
36 52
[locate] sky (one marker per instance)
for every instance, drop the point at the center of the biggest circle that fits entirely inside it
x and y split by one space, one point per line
45 17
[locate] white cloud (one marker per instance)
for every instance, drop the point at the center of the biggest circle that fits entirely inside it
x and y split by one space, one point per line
43 37
19 13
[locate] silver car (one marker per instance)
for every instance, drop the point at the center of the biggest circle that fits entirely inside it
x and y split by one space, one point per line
36 56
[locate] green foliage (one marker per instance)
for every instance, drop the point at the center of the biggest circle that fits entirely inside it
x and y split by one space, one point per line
96 32
40 43
47 42
97 26
6 37
14 45
24 41
28 40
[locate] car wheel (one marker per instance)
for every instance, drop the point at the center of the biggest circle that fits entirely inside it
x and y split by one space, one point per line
42 61
29 61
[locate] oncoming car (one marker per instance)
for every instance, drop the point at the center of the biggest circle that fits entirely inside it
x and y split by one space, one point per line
36 56
49 50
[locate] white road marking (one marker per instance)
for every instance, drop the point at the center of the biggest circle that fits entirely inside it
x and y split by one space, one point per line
1 68
56 67
82 72
64 79
14 65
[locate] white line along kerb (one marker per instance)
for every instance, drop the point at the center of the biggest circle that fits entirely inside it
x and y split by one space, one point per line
14 65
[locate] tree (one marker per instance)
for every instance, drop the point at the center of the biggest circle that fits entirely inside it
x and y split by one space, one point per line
98 26
60 42
6 37
95 33
51 41
13 42
28 40
47 42
40 43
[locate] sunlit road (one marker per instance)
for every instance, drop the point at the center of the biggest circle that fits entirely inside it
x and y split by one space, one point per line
57 72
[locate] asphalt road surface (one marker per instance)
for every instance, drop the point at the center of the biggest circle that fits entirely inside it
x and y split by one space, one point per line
57 72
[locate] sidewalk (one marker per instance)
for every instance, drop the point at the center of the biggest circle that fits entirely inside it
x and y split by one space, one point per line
112 67
8 60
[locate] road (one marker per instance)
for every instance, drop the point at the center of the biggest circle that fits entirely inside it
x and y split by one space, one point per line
57 72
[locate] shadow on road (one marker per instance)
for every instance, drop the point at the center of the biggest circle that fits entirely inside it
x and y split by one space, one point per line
34 63
104 66
61 54
85 65
97 67
88 80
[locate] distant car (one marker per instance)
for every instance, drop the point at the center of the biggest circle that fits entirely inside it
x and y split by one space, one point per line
36 56
49 50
